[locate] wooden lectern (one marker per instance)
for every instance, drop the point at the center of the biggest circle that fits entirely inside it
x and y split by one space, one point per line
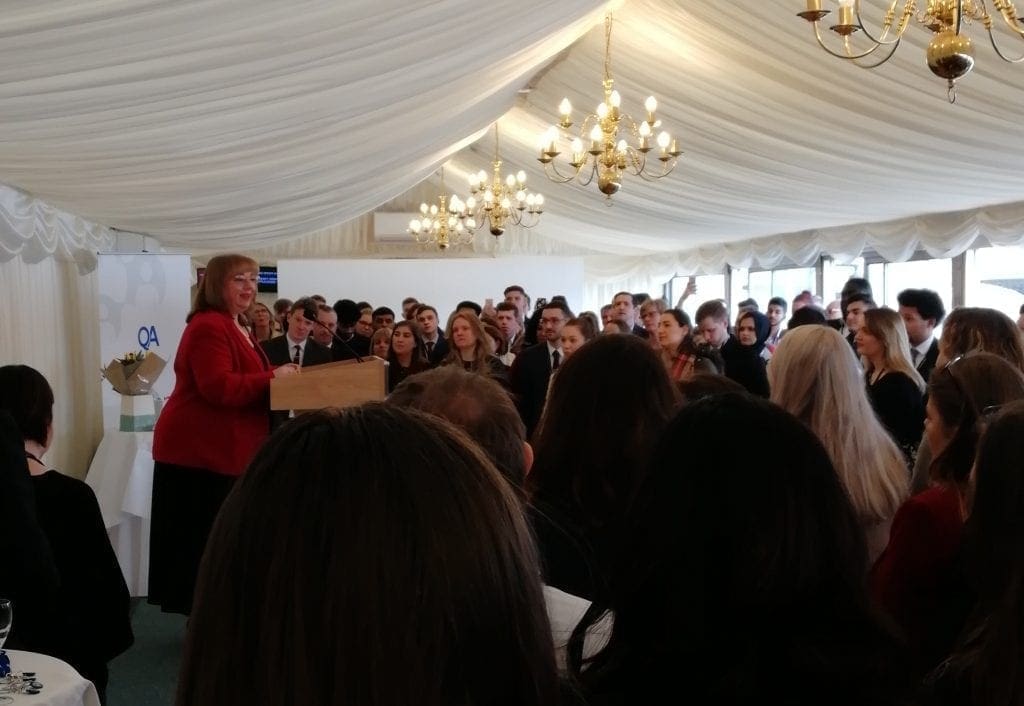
342 384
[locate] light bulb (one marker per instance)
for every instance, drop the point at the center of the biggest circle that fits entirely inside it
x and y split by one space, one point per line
474 181
651 104
457 227
530 199
510 180
602 110
433 209
645 130
845 3
471 203
621 146
565 107
488 196
414 225
595 133
663 140
520 195
521 176
505 203
481 176
615 99
539 200
424 208
427 224
577 146
471 223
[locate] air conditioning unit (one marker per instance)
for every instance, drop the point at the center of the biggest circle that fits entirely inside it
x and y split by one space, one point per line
392 228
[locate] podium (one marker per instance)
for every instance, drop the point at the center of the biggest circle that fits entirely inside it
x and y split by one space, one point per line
342 384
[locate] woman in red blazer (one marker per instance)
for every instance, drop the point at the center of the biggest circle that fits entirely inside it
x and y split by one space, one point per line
210 428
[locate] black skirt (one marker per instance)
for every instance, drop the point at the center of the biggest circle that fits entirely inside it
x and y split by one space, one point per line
185 503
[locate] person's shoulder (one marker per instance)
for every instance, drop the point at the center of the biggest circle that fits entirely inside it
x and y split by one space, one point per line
56 485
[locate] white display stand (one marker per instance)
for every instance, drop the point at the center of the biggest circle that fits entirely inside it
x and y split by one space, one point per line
121 475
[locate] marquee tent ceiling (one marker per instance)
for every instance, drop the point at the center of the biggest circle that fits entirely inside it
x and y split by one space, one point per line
275 127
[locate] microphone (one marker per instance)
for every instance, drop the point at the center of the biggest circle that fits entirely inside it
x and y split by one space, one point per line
309 314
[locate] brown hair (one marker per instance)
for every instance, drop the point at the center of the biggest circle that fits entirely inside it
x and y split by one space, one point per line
220 268
371 555
962 393
480 349
979 329
479 406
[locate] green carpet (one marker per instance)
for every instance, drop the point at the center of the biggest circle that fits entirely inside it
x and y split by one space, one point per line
147 674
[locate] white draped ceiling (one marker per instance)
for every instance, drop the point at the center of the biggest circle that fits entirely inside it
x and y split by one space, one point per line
276 127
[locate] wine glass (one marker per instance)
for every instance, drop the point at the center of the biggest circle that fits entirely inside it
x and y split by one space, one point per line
6 617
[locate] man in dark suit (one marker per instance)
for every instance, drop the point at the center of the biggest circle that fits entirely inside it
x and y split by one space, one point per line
921 311
433 338
533 367
624 308
296 346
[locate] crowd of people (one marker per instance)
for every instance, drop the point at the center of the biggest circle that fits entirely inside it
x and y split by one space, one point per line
587 509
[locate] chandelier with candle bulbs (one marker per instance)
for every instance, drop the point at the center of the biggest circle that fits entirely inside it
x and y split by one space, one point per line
502 201
602 150
446 223
950 52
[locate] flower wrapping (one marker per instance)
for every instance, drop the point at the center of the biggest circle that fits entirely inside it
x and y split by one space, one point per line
134 374
5 664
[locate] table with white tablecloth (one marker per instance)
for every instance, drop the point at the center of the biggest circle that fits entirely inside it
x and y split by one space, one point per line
61 684
121 475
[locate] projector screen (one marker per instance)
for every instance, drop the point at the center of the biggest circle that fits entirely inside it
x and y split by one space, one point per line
442 283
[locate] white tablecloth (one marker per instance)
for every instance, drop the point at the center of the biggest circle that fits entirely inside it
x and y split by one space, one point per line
62 685
121 475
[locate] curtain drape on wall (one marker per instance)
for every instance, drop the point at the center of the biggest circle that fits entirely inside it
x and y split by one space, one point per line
49 322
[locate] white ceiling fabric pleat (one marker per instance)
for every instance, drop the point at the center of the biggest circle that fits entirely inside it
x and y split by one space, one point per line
275 128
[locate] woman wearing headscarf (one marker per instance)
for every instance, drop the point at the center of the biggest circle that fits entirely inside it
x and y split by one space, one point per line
744 353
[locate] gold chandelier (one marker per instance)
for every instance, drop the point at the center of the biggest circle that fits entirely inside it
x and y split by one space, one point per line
444 225
503 201
950 52
607 153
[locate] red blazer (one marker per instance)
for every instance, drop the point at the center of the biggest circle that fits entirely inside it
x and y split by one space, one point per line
219 412
916 580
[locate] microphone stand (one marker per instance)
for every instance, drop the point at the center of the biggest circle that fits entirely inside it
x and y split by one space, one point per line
334 335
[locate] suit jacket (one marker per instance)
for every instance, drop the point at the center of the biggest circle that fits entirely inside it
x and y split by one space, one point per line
927 364
358 346
529 377
218 414
279 351
440 350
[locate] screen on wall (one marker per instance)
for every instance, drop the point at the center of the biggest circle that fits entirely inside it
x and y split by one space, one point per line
267 279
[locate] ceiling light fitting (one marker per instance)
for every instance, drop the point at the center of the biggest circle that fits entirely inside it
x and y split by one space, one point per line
502 201
443 225
602 145
950 52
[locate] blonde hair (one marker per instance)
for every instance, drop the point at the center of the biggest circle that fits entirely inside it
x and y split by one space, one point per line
814 376
887 326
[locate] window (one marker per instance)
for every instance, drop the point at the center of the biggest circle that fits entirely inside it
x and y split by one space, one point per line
890 278
708 287
995 279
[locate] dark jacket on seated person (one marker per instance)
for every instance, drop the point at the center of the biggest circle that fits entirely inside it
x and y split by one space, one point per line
28 574
92 602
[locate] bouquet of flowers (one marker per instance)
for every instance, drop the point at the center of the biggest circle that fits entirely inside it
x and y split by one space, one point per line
134 373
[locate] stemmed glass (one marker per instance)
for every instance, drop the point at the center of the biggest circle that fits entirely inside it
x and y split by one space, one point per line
6 617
